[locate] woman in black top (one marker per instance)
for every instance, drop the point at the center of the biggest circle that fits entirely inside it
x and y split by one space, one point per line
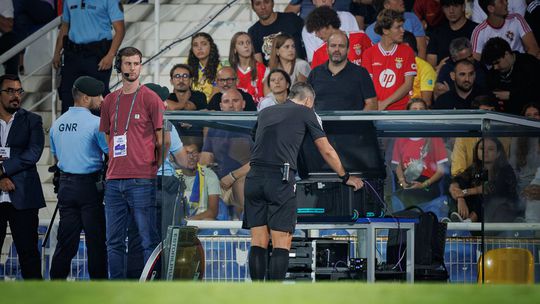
494 179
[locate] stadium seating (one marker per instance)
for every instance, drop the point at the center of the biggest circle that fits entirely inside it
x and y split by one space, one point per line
507 266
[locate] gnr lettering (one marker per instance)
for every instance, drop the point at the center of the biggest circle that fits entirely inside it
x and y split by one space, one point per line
68 127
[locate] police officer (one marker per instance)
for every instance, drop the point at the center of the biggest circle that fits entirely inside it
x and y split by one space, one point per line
79 149
270 200
88 44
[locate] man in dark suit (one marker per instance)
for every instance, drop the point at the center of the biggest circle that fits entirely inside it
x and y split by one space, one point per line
21 196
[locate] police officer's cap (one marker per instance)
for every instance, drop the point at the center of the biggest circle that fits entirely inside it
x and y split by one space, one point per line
89 86
162 92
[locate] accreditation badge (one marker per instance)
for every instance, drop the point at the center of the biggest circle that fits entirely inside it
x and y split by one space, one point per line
5 152
120 145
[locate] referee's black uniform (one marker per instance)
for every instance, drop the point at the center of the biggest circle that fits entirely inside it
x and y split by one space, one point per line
279 134
269 189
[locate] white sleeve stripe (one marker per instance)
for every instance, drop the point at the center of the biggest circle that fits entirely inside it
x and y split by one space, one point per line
476 34
523 23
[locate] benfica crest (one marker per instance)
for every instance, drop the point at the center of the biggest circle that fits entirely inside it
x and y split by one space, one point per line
357 49
510 35
399 62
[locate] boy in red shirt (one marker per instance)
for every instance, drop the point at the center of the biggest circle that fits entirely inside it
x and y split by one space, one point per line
324 21
390 63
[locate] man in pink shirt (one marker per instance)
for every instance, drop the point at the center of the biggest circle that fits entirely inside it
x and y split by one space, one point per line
132 119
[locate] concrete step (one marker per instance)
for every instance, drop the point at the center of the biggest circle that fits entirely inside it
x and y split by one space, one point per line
45 214
48 192
37 83
189 12
46 157
44 175
172 30
46 116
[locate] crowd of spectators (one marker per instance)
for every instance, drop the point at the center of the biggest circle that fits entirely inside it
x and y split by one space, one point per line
431 57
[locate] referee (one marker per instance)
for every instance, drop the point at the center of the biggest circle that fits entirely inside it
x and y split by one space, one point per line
270 199
79 149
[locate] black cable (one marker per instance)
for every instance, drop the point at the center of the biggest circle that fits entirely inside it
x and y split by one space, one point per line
336 265
380 200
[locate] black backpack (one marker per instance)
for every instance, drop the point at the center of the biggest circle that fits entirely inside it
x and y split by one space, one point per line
429 240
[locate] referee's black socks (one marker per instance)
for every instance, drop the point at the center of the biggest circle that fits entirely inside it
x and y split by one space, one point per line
279 262
258 260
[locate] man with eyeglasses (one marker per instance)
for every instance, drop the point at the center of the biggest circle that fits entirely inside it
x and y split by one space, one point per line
183 97
21 196
202 184
226 80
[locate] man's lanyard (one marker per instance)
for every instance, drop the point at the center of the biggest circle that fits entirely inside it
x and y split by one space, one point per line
129 115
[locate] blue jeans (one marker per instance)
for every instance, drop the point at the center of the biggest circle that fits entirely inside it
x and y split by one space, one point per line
125 198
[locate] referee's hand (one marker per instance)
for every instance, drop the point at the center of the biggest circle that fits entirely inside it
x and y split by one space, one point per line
355 182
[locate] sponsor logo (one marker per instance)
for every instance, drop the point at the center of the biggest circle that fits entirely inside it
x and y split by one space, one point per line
387 78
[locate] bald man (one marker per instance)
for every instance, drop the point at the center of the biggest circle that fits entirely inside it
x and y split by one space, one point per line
226 80
230 152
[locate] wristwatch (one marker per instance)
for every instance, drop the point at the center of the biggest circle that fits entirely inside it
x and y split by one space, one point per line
464 192
344 178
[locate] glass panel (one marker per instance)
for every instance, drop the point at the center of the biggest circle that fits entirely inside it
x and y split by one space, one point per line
425 159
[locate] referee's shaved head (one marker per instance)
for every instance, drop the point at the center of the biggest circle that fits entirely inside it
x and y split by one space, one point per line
300 92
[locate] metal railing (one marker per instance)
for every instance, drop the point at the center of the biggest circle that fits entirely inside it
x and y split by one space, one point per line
226 255
51 29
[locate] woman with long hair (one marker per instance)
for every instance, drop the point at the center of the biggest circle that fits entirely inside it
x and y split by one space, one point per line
203 59
490 178
250 72
283 56
279 83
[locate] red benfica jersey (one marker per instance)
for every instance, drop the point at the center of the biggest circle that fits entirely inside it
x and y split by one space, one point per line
358 43
253 88
388 70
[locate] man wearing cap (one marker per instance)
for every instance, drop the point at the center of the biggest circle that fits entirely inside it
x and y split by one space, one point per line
79 148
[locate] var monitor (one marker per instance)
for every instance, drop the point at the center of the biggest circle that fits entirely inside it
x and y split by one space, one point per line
320 195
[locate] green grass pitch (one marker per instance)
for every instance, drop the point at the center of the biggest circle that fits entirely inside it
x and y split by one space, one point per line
262 293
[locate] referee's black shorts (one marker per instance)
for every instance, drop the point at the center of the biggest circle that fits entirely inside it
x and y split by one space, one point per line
268 200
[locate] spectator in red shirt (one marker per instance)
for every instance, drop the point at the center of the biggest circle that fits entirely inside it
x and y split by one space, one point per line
419 164
429 12
250 72
391 63
324 22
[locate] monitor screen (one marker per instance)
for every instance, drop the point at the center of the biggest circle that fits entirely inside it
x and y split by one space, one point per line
357 146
